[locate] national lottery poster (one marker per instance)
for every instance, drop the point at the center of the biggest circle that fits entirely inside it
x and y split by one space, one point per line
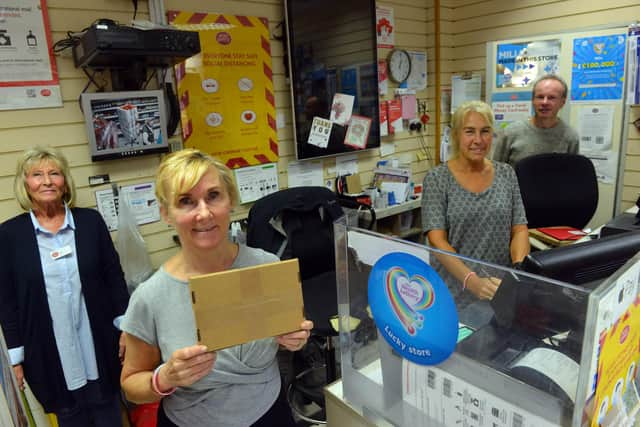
226 91
598 68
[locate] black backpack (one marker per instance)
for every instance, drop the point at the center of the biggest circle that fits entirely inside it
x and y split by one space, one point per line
297 223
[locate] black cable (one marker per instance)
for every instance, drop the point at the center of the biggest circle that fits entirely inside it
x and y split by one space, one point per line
135 8
67 43
424 147
92 80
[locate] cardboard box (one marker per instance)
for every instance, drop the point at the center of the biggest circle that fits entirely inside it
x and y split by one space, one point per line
353 184
237 306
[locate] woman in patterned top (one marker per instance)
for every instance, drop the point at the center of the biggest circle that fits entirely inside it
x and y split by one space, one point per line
472 206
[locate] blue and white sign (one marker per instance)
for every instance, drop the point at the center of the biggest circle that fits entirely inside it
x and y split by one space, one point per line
519 65
506 62
413 309
598 68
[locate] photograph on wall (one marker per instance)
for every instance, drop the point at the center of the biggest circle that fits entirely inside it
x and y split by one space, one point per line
358 132
28 75
598 68
341 108
226 92
520 64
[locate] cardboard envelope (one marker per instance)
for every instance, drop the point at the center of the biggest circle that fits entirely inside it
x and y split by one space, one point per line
237 306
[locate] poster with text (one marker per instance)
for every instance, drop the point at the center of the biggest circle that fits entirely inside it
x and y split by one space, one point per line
598 68
509 107
519 65
28 73
617 363
226 91
385 27
506 62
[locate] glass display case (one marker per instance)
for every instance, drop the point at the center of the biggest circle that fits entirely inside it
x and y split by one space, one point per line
418 350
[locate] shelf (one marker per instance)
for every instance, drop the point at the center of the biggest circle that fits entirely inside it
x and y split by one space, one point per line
395 209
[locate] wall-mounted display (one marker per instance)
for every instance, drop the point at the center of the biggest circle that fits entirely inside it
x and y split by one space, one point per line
125 124
332 59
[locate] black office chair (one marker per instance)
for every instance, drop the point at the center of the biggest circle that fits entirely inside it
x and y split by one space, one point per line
558 189
298 223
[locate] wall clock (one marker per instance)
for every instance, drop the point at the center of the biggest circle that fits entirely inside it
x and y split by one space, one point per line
399 62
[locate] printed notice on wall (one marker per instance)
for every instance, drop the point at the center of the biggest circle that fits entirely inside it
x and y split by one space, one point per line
385 27
28 74
226 93
509 107
140 197
418 76
595 127
465 89
305 174
255 182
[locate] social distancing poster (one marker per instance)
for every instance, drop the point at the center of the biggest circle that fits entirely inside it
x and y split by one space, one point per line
226 91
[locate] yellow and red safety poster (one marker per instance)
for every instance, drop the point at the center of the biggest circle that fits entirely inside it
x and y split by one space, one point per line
618 358
226 91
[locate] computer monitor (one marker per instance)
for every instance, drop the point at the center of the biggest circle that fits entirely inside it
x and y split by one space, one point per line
541 309
532 316
125 124
586 263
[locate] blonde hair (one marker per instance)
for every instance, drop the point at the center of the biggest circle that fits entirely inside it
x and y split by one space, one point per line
32 158
457 121
179 172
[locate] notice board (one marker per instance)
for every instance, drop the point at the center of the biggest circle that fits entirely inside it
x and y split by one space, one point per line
593 65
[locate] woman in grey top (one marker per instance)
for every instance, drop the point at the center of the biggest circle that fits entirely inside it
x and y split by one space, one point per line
472 206
237 386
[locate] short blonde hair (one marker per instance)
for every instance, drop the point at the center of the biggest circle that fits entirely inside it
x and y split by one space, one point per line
179 172
34 157
457 121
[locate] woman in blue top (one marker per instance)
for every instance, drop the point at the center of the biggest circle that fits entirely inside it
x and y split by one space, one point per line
472 206
61 288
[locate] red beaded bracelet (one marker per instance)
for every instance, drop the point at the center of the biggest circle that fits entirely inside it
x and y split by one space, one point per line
155 386
466 278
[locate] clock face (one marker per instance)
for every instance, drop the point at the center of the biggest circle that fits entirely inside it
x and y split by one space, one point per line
399 65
